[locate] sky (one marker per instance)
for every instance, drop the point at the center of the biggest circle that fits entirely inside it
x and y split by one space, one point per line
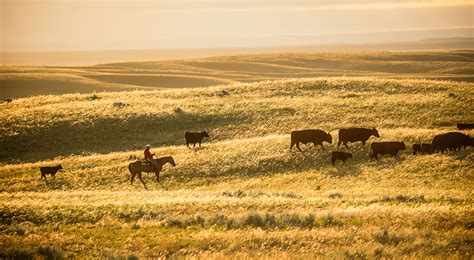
63 25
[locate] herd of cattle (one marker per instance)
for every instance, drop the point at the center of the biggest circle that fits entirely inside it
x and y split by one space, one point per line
444 142
453 141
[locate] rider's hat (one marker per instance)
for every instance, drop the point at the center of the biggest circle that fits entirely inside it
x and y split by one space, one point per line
148 146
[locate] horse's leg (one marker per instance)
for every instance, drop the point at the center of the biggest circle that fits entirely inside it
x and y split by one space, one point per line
157 174
133 177
140 178
194 145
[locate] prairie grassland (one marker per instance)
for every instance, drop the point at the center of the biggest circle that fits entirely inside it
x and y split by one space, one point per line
243 193
27 81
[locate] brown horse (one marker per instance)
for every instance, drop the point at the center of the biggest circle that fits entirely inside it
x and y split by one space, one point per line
136 168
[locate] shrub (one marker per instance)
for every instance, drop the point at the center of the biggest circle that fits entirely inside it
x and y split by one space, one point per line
335 195
50 252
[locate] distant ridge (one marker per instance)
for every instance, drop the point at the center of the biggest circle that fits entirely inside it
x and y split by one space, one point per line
449 40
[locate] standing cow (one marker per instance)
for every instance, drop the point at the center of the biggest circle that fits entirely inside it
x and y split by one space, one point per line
195 137
315 136
451 141
391 148
356 135
50 170
465 126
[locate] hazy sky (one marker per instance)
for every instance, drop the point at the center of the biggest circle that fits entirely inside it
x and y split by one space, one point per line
45 25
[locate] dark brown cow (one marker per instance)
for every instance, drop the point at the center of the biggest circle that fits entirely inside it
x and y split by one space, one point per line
451 141
315 136
347 135
423 148
343 156
195 137
50 170
465 126
391 148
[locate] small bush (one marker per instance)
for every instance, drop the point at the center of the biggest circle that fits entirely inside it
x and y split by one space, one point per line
330 221
236 193
178 110
174 223
253 220
50 252
119 104
135 226
335 195
356 255
385 238
403 198
94 97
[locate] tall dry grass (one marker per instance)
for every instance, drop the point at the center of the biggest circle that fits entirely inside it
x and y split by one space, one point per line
243 193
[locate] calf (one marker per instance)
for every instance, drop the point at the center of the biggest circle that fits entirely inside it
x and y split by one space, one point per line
194 137
391 148
423 148
340 156
315 136
50 170
347 135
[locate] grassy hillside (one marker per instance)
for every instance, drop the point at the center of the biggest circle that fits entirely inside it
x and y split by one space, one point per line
24 81
244 193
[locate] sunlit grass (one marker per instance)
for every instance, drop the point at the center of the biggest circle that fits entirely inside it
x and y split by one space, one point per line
244 192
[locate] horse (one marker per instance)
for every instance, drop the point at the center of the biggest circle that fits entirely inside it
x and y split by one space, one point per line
137 167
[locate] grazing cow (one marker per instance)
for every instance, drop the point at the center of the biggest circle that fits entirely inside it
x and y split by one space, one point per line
422 148
50 170
340 156
391 148
315 136
356 135
194 137
451 141
465 126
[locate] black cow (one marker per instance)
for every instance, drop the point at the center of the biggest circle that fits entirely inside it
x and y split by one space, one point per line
50 170
356 135
391 148
315 136
465 126
194 137
451 141
340 156
423 148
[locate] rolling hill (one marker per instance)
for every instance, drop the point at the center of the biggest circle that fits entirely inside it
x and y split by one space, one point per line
243 193
25 81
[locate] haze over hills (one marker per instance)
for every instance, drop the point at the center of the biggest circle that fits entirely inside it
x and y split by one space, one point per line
81 58
22 81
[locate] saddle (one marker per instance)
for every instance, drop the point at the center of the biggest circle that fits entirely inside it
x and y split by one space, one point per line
145 163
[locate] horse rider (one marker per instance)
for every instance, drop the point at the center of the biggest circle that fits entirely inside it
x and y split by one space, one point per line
149 155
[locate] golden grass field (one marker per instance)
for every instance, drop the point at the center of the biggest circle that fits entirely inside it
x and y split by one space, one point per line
243 193
26 81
